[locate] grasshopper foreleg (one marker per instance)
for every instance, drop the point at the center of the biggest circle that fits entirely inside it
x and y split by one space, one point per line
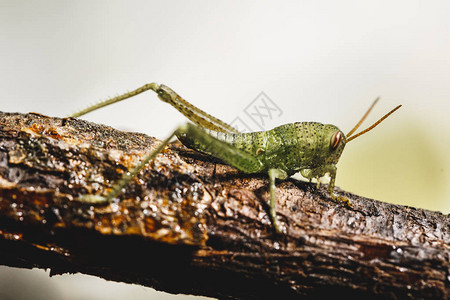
332 170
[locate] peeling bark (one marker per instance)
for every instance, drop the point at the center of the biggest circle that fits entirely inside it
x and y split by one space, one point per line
189 224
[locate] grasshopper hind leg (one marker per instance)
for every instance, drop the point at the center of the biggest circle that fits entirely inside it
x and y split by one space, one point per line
193 113
166 94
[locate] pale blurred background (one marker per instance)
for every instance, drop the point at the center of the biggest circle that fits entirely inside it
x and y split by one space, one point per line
322 61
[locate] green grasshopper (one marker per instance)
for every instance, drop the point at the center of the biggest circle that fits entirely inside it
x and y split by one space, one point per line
311 148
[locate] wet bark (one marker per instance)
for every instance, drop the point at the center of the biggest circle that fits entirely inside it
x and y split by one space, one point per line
189 224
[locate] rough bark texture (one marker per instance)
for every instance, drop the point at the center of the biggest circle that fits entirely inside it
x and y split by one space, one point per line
189 224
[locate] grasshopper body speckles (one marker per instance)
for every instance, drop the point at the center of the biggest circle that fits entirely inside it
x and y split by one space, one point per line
289 148
311 148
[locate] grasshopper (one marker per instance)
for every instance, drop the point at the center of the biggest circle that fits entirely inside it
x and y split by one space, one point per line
311 148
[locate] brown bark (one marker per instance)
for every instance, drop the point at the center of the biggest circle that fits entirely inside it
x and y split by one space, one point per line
189 224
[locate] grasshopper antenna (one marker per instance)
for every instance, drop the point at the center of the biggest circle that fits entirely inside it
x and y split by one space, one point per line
363 118
349 138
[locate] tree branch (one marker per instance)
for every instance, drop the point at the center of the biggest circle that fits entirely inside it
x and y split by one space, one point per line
189 224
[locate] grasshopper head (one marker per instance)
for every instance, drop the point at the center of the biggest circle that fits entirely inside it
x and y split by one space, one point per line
334 141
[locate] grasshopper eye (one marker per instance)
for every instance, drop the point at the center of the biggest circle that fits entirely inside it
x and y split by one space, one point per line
335 140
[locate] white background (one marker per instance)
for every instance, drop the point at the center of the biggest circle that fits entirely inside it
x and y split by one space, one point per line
322 61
